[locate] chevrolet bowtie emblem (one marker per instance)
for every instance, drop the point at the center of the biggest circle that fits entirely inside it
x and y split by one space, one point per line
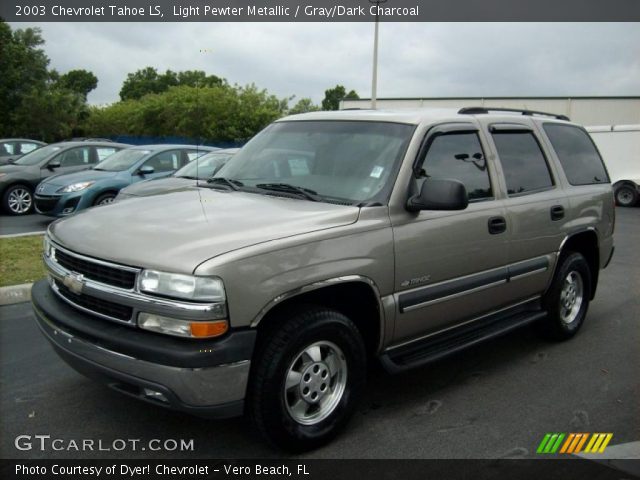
74 282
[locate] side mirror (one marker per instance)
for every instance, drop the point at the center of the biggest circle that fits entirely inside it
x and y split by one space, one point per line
439 195
146 170
54 164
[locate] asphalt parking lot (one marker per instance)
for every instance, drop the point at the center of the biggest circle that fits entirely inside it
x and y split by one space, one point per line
496 400
10 225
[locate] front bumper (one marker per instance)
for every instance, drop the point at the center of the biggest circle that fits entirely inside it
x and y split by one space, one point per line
204 378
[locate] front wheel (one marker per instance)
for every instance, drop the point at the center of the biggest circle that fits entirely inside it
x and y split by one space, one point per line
308 373
567 300
18 200
105 199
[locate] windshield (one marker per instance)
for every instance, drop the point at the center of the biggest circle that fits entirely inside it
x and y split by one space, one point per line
38 155
204 166
122 160
341 161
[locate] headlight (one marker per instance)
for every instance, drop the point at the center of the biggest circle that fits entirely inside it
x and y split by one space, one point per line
189 287
2 175
76 187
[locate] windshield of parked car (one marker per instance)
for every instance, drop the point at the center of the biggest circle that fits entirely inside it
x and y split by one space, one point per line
35 157
122 160
336 161
204 166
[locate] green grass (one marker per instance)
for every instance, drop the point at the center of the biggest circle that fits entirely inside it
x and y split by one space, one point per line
21 260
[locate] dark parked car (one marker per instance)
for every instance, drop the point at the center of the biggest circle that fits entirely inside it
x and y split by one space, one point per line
19 180
200 169
13 148
66 194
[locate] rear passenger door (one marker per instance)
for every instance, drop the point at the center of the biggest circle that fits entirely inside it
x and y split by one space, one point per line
536 205
450 265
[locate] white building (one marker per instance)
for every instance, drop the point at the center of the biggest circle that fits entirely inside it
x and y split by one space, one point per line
583 110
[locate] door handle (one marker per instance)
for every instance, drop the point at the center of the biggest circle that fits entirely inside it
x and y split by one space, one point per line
557 212
497 225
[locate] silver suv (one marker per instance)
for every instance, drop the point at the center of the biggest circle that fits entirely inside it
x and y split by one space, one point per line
332 239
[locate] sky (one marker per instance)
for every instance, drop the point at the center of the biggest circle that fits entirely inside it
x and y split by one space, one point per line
415 59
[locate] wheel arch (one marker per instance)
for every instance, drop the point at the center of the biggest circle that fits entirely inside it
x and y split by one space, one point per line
355 296
586 243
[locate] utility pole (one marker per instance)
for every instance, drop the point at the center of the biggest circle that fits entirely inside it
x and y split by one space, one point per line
374 75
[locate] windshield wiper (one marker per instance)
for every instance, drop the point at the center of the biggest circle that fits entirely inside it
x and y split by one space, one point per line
229 182
287 188
187 177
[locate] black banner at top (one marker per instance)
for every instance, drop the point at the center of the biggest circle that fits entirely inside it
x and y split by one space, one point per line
320 10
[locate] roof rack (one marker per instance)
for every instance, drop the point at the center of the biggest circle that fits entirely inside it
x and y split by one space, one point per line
480 110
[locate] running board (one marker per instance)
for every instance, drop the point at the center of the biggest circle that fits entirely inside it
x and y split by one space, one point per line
439 345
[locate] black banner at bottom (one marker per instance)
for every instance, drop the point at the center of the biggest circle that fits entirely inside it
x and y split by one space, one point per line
205 469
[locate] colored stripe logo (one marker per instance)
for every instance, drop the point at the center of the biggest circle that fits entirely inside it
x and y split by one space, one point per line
574 442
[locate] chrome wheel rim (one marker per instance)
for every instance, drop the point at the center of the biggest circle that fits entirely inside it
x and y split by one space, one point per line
315 382
571 297
106 201
20 200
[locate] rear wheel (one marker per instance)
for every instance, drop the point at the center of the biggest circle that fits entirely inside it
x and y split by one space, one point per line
18 200
105 199
567 300
308 373
626 196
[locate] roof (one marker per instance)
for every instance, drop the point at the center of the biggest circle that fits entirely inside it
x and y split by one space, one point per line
471 97
409 116
84 144
413 116
168 146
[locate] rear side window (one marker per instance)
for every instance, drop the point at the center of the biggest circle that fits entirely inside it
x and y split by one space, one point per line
525 168
459 156
577 154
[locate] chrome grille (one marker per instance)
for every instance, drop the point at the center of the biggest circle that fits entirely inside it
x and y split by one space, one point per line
96 271
98 305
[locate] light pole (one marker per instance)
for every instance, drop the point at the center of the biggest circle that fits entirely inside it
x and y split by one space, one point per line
374 75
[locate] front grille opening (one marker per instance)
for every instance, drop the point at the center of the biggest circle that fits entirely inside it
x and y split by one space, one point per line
95 271
98 305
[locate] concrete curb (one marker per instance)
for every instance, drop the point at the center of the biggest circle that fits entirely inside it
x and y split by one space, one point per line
26 234
15 294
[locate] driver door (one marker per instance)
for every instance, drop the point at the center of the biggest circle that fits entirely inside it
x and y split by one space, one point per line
451 265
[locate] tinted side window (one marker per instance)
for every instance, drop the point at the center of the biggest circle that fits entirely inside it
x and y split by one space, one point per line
104 152
7 148
460 157
75 157
523 162
577 154
165 161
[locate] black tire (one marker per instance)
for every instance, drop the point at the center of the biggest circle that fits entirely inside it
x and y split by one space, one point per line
11 203
564 316
104 199
626 196
269 403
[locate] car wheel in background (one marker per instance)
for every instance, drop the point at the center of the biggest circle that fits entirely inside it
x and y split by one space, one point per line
626 196
105 199
18 200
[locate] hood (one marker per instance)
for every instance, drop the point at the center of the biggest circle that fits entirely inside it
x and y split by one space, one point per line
157 185
64 179
10 168
179 230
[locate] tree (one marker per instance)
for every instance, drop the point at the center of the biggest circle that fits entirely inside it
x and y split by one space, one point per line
24 68
216 114
332 97
148 80
304 105
78 81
